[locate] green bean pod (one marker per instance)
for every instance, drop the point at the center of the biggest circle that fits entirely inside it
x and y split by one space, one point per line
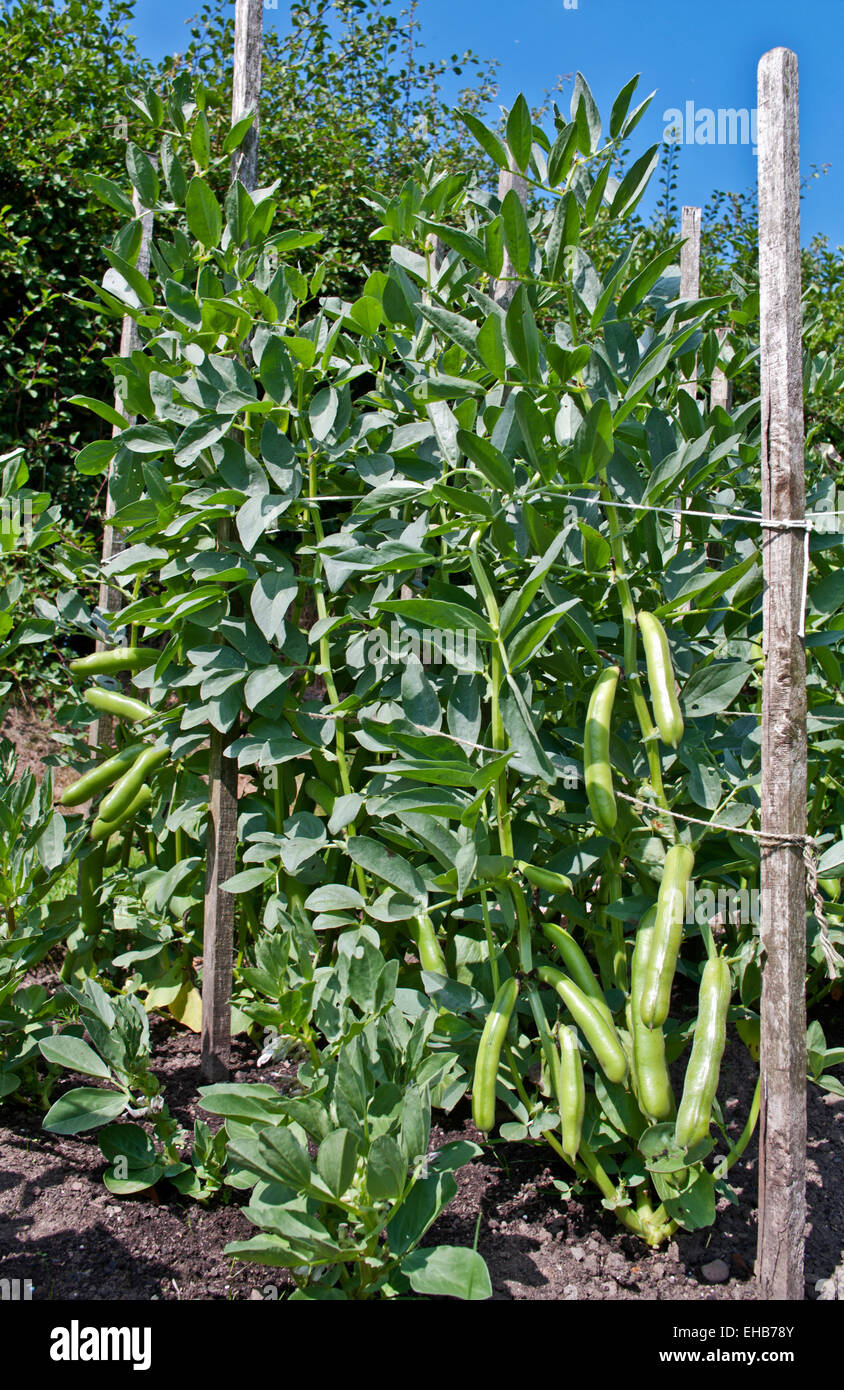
577 965
596 751
597 1030
102 829
704 1067
122 794
667 714
89 881
96 781
571 1091
545 879
489 1053
667 935
108 663
121 706
653 1084
430 952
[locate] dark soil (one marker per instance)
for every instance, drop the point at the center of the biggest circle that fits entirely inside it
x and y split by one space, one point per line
62 1230
33 739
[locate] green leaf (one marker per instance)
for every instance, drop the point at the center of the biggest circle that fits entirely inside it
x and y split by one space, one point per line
563 234
694 1208
596 549
276 371
454 326
239 210
520 132
584 112
85 1108
594 441
200 141
238 133
428 1197
490 461
173 172
562 155
522 335
386 1169
366 313
634 183
490 346
205 219
183 304
530 758
392 868
712 689
531 637
142 173
516 233
485 138
246 881
337 1160
621 106
284 1156
269 601
111 193
334 897
644 282
831 863
466 245
436 613
519 602
96 456
106 412
448 1271
75 1054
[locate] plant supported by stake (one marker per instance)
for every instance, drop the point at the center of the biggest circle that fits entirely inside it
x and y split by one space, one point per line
448 526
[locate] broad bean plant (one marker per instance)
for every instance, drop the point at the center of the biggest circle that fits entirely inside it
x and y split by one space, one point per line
466 573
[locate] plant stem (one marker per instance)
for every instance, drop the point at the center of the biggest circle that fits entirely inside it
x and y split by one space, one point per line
631 666
747 1134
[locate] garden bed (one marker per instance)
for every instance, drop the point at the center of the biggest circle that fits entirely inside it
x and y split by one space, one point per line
62 1230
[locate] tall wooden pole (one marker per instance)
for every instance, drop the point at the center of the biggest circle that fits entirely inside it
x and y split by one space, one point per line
690 228
782 1151
689 289
221 842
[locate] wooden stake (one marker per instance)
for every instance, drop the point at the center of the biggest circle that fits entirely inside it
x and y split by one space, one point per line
218 921
782 1144
721 392
690 271
101 732
505 288
689 289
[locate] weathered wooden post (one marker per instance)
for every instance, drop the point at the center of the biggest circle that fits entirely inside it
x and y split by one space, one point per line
221 840
690 255
782 1139
721 391
101 732
689 289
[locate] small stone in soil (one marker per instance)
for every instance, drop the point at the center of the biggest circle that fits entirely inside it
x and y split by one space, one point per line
716 1272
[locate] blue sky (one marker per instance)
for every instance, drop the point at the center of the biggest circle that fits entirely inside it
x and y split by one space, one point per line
699 57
